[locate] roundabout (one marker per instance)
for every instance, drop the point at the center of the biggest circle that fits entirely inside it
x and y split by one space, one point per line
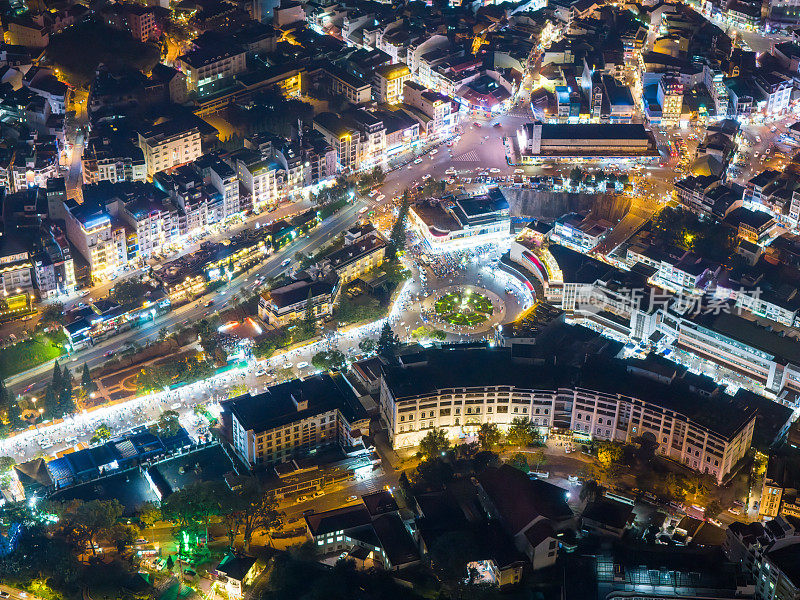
466 308
463 309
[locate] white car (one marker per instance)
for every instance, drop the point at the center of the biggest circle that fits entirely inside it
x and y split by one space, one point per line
435 151
302 365
417 161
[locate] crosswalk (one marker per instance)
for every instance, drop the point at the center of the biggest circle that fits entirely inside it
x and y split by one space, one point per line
470 156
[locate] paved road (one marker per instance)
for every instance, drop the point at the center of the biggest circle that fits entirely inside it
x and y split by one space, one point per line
98 354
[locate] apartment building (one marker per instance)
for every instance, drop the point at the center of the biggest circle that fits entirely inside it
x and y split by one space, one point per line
211 67
746 543
437 107
101 240
263 178
388 83
357 136
670 97
371 533
225 180
342 83
53 267
169 144
153 222
139 21
777 574
112 159
16 265
294 419
606 399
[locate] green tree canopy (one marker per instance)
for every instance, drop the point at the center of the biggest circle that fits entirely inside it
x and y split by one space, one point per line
388 343
434 444
328 360
521 432
489 436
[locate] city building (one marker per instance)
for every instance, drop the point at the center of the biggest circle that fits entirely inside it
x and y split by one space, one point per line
294 419
388 83
342 83
112 158
211 67
457 390
670 98
585 140
357 257
262 178
169 144
379 541
100 239
296 300
461 221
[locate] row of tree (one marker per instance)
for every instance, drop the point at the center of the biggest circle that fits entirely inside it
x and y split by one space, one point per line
243 509
521 433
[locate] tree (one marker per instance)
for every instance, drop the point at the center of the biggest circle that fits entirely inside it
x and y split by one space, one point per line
6 402
56 380
397 237
538 458
191 508
520 461
434 444
85 521
66 399
246 509
101 434
432 475
489 436
328 360
149 514
51 314
575 176
521 432
367 345
6 462
14 414
388 343
590 490
87 383
609 455
713 509
309 324
129 293
451 552
167 424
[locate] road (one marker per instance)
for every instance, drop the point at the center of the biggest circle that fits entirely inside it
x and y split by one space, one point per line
6 591
98 354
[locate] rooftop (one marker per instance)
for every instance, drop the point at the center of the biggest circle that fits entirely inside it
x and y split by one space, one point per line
281 404
479 367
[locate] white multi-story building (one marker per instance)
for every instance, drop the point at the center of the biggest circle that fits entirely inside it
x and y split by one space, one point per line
168 145
458 390
97 236
263 178
388 82
208 68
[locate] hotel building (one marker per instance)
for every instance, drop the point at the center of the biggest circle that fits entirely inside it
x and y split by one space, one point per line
606 399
